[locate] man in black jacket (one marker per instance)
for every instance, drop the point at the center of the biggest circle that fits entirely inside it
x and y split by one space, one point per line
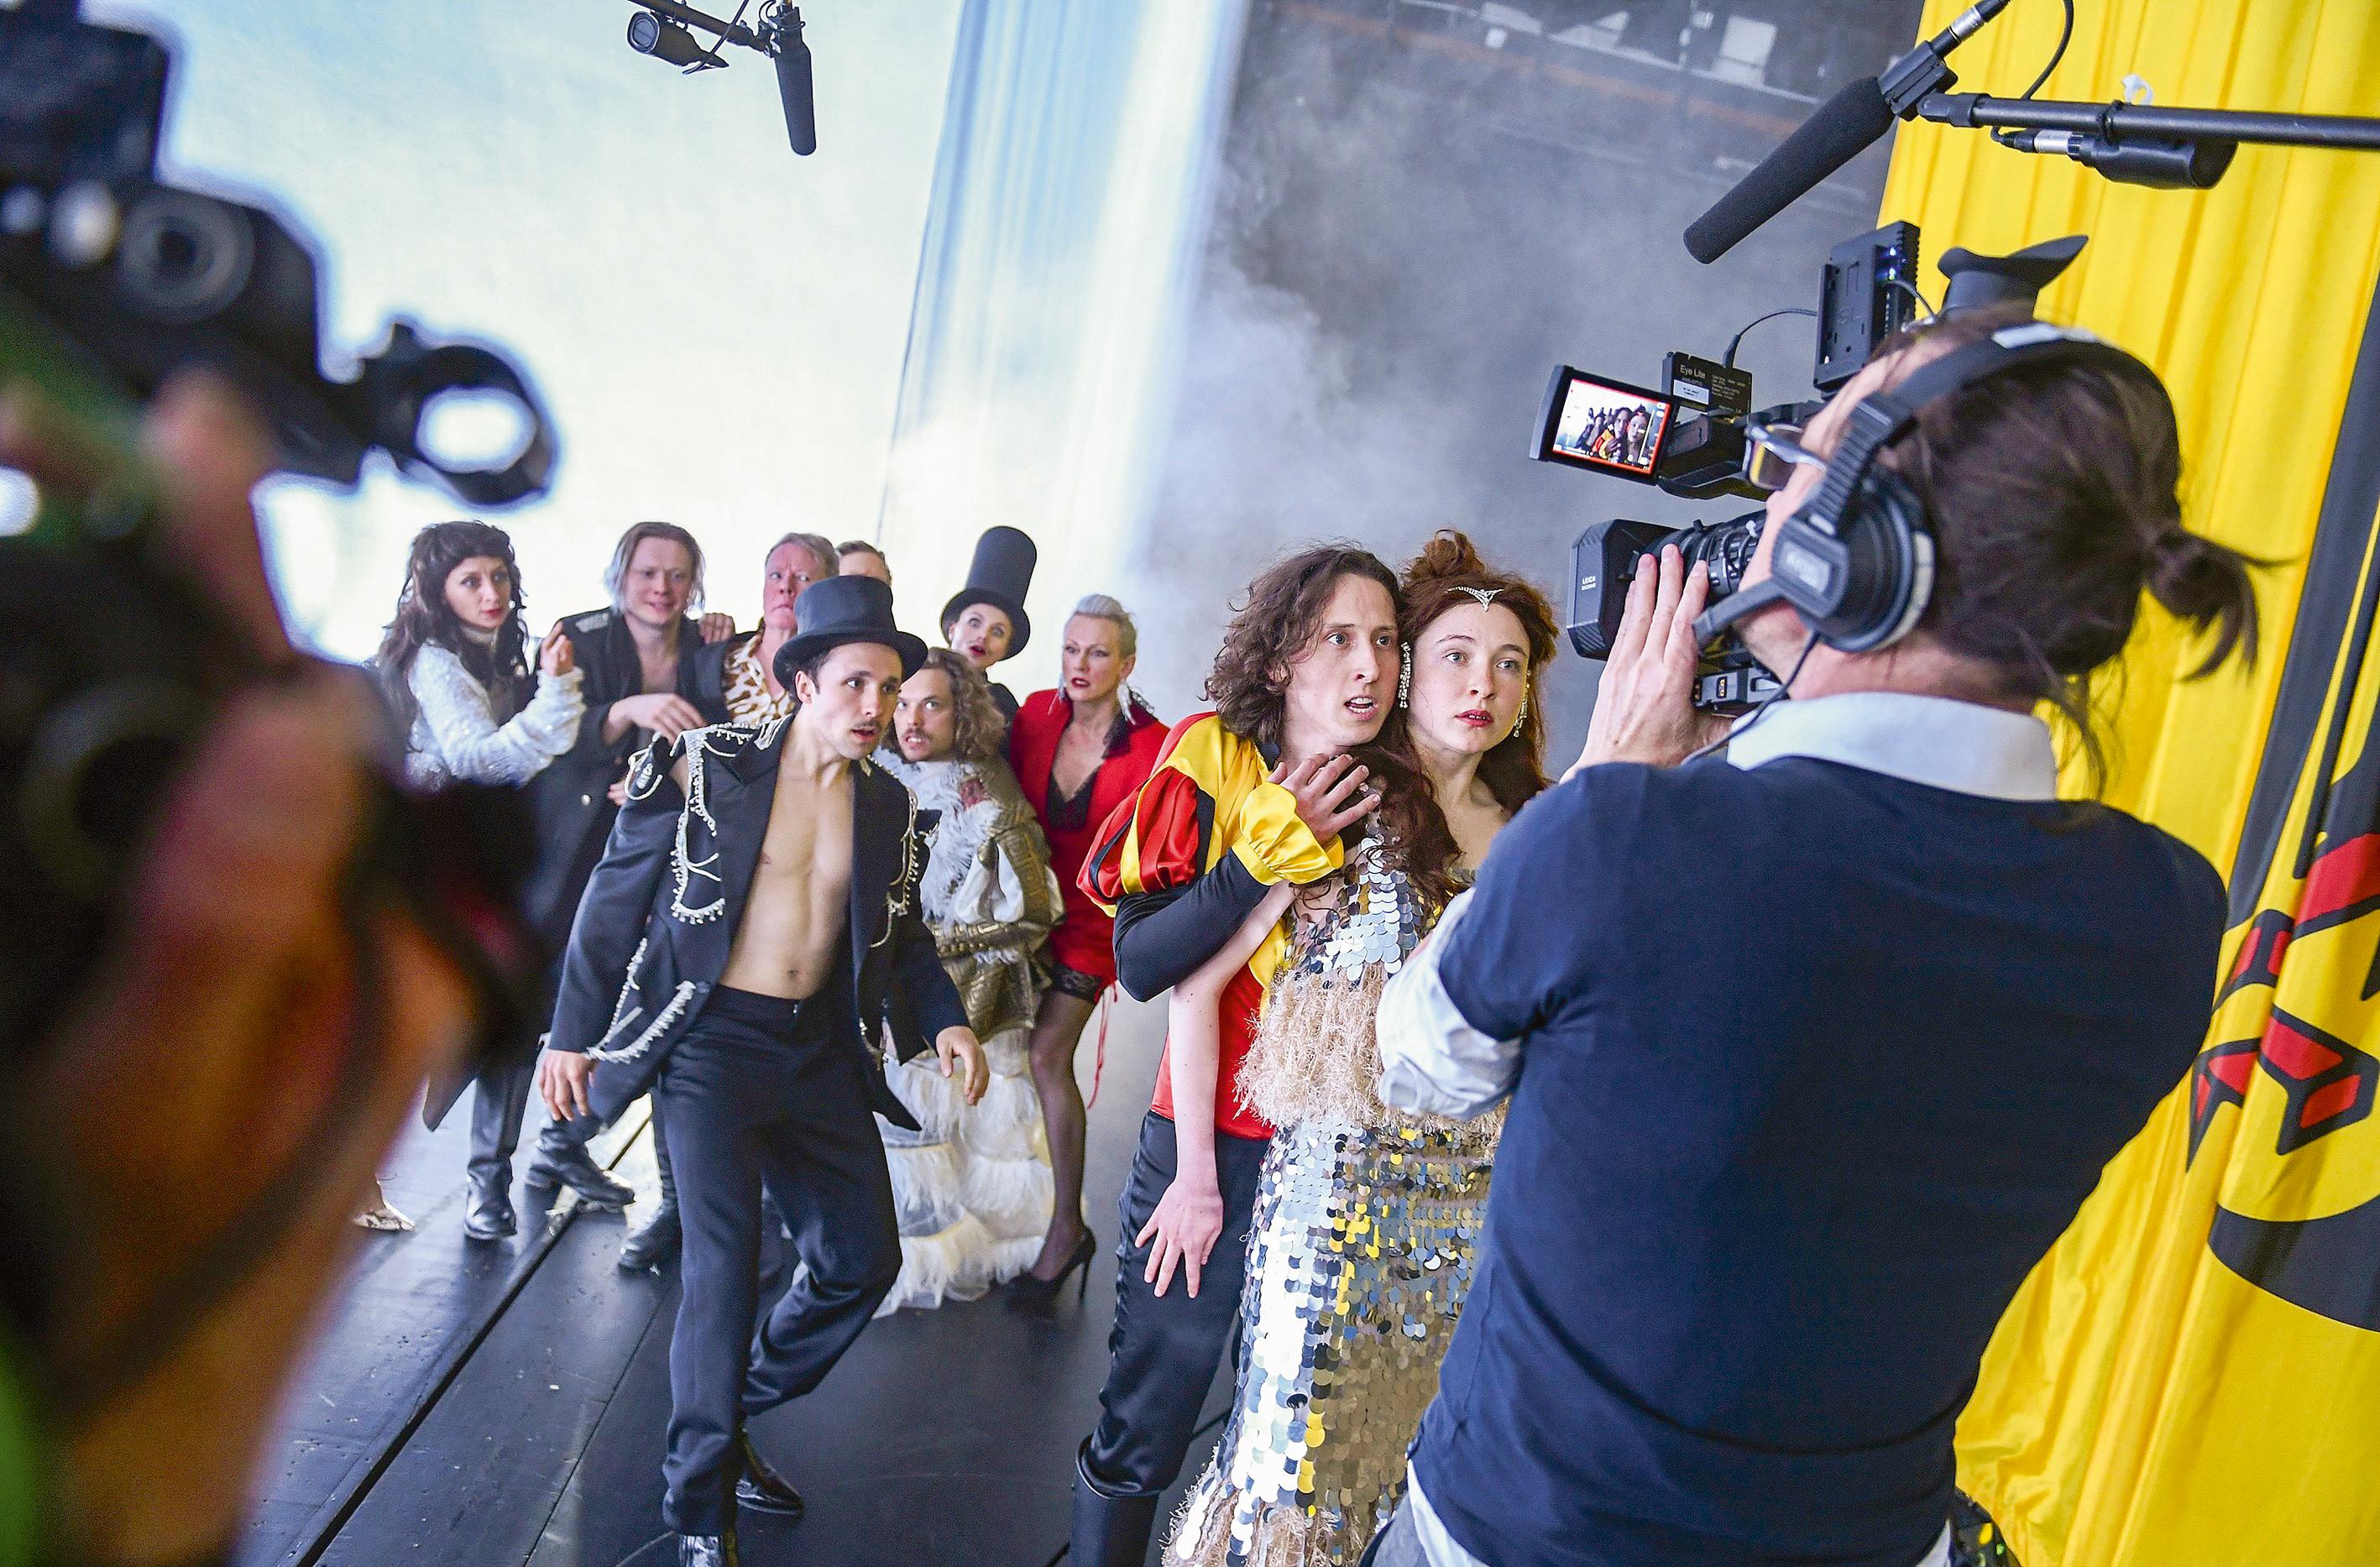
637 678
759 897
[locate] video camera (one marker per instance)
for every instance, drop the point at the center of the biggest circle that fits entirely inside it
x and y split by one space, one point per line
1691 439
115 659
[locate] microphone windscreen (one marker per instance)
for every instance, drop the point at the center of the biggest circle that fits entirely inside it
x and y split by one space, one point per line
1846 125
793 86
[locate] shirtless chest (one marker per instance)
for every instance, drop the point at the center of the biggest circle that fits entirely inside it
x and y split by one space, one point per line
795 913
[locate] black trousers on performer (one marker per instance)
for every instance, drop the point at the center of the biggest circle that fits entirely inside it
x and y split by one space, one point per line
765 1091
1163 1349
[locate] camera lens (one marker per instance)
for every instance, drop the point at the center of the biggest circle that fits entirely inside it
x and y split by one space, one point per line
184 257
1726 547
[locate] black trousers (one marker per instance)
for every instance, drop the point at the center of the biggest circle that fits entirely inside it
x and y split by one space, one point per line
764 1091
1163 1349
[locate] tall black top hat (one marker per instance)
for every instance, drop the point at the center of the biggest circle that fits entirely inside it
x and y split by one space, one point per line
835 610
1001 571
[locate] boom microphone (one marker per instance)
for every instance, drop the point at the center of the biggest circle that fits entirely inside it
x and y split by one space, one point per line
1845 125
792 61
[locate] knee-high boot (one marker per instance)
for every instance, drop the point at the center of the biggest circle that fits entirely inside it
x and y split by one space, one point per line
1109 1530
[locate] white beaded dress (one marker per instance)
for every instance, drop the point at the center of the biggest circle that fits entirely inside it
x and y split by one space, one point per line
973 1186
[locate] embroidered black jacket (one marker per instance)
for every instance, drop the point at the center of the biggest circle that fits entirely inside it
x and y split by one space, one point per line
662 909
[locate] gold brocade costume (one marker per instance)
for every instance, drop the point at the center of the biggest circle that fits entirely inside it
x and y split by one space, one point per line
1359 1256
972 1185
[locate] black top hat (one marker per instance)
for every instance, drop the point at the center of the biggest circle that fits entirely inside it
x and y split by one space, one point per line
1000 573
835 610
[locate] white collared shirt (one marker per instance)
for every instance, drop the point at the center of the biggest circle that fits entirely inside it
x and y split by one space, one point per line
1432 1059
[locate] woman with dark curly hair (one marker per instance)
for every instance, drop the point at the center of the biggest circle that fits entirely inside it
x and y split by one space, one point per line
455 666
1343 1341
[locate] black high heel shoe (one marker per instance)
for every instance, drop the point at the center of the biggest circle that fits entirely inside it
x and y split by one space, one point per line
1032 1288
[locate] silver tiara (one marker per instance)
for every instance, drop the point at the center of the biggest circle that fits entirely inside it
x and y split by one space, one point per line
1485 595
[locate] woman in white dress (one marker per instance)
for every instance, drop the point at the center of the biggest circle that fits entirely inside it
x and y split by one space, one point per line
974 1185
453 664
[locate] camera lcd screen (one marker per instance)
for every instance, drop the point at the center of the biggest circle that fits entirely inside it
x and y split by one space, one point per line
1608 426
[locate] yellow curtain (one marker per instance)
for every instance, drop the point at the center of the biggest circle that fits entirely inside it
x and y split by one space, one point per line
2144 1404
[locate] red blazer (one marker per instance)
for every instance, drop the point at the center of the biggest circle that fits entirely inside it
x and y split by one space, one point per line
1085 939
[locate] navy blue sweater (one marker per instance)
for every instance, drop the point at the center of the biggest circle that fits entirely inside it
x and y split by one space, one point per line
1819 1062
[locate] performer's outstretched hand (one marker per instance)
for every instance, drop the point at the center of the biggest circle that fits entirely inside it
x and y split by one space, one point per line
960 1045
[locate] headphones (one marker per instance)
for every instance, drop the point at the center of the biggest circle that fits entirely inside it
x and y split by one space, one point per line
1857 561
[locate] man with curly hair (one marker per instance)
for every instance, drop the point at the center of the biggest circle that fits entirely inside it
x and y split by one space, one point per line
1248 796
972 1184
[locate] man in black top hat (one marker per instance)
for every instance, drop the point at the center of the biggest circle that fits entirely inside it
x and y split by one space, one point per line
985 621
759 897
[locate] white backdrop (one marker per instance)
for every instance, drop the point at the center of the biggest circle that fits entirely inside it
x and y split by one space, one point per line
716 325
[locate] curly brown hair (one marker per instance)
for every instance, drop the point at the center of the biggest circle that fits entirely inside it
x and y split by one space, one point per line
982 733
1271 626
1275 622
1448 572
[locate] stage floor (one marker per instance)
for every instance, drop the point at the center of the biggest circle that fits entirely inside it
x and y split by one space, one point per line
483 1405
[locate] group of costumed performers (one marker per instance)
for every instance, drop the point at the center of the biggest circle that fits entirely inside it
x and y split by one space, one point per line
972 1182
1287 854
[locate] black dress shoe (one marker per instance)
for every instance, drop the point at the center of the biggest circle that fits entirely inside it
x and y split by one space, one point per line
575 1167
763 1489
489 1217
708 1551
652 1243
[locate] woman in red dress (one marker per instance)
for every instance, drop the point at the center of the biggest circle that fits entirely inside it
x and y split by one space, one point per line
1079 752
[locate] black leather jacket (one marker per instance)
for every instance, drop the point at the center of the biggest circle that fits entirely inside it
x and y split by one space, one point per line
571 797
663 907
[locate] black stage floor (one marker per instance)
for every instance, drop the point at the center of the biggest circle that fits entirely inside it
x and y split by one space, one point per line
490 1405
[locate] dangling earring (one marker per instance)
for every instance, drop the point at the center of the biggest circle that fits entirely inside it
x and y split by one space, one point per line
1405 674
1523 716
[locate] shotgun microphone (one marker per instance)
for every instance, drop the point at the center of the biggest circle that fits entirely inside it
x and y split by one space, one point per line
793 63
1845 125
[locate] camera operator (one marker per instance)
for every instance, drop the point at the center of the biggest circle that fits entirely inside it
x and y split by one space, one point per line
1834 1033
212 1042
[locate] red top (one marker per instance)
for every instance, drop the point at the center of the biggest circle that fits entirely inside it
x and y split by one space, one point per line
1209 797
1085 939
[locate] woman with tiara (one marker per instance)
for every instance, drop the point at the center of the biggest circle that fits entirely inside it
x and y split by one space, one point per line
1360 1252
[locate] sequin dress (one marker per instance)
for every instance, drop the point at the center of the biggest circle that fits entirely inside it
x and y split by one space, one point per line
1359 1256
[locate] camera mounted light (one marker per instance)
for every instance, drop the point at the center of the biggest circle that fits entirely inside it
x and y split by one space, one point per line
665 29
664 39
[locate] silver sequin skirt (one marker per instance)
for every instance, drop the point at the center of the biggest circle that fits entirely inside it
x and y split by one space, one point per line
1359 1256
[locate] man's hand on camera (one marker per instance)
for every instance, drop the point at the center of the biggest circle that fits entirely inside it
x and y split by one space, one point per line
1329 792
561 1082
1644 709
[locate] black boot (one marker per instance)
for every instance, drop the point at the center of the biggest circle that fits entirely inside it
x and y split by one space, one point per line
763 1489
565 1161
489 1217
655 1241
1109 1530
708 1551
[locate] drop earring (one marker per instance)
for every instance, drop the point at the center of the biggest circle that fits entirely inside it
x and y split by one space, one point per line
1523 716
1405 674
